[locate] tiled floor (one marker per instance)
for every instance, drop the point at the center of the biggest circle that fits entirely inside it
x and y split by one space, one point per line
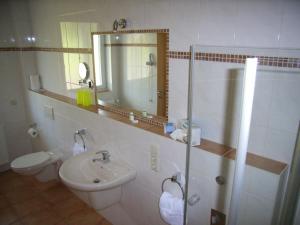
25 201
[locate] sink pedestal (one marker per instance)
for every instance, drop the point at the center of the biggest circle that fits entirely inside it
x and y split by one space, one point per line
103 199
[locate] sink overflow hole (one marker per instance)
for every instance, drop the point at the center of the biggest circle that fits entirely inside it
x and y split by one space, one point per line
96 181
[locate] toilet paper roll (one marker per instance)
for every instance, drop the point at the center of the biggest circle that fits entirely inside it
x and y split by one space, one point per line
33 132
35 83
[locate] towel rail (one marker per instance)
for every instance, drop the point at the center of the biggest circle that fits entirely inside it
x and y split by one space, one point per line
173 179
80 133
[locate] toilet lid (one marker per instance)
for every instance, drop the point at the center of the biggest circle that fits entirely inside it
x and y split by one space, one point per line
30 160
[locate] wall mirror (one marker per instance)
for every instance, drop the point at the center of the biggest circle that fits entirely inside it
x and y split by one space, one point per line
130 69
83 71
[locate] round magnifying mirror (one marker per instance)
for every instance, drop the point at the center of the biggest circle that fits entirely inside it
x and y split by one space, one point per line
83 71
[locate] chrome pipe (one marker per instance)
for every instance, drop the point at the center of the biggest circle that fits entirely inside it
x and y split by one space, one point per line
189 131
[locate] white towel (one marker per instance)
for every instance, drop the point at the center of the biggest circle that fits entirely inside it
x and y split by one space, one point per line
77 149
178 134
171 209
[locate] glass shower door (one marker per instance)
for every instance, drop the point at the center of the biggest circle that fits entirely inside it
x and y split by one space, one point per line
215 105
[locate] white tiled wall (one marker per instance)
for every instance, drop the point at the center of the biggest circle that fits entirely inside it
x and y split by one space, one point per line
12 109
276 109
140 197
219 22
217 98
224 23
129 143
259 194
267 23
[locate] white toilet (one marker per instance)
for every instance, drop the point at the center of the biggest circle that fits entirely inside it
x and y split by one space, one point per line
43 165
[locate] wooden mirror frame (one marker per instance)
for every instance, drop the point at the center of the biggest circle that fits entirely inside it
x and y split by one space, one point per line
156 120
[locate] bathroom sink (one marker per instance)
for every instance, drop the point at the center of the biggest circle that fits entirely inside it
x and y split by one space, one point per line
87 172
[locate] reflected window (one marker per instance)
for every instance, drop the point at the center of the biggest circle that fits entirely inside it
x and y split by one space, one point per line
76 35
99 57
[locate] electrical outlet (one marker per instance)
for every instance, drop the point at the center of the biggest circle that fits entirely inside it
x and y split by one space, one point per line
48 112
154 158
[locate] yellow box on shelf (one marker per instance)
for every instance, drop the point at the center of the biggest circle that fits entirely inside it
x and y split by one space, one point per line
79 96
84 97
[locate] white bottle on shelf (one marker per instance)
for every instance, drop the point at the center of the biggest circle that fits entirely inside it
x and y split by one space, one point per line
131 116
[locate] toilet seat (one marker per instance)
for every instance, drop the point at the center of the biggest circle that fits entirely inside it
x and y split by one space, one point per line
30 161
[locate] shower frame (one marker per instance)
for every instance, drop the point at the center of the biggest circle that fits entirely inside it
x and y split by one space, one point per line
246 113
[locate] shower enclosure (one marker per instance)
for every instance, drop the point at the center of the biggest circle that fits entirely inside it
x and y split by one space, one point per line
261 190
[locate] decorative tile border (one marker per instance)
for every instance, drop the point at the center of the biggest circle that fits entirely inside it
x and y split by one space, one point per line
212 57
10 49
232 58
179 55
167 70
134 31
65 50
42 49
130 45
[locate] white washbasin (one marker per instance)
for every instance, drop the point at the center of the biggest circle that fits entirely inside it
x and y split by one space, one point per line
82 173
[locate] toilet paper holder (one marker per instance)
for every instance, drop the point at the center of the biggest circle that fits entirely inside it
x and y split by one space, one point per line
174 179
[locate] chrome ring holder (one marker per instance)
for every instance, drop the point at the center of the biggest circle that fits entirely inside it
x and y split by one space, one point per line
173 179
80 133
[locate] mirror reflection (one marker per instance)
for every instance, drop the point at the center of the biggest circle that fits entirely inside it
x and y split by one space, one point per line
130 71
77 66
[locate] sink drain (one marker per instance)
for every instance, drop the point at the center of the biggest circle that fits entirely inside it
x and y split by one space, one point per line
96 181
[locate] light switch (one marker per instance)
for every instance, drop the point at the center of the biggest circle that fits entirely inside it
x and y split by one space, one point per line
49 112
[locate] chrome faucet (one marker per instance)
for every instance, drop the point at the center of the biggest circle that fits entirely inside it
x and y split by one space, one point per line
105 156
